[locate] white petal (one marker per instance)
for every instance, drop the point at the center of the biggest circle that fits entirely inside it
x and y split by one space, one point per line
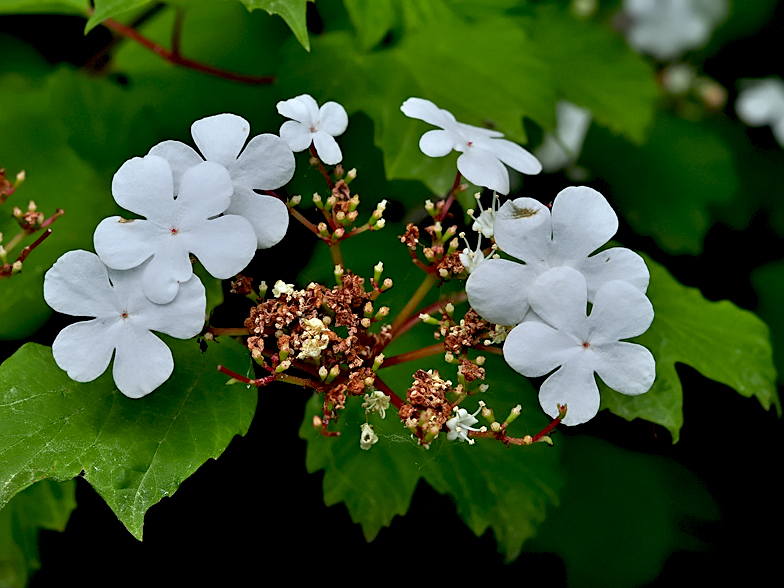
297 136
144 185
523 229
513 155
142 363
535 349
626 367
620 311
560 297
327 148
477 134
268 215
170 266
616 263
425 110
574 385
267 163
220 138
78 285
125 244
205 192
333 118
303 108
225 245
482 168
84 349
183 317
180 156
437 143
583 221
498 290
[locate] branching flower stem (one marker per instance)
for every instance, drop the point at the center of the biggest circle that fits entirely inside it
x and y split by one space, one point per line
430 280
321 167
429 351
379 384
229 331
450 198
174 56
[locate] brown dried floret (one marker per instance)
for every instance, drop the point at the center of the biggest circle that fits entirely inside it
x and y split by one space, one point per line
470 371
411 237
242 285
427 408
450 264
471 331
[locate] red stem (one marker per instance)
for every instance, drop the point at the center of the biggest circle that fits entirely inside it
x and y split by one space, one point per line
450 198
322 169
397 402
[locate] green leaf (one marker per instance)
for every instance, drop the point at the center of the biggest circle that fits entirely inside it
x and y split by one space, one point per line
721 341
768 282
593 67
45 505
665 188
292 11
43 6
105 9
372 20
133 452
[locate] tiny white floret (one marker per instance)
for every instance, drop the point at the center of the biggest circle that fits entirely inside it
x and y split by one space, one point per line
313 125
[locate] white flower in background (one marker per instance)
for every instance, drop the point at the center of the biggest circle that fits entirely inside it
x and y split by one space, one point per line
483 152
376 401
761 102
460 424
313 125
562 148
79 284
668 28
581 221
367 437
174 227
265 163
580 345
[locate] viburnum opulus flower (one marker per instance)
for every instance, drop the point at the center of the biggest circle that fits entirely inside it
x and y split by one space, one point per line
313 125
761 102
265 163
174 228
562 148
79 284
483 152
581 221
577 346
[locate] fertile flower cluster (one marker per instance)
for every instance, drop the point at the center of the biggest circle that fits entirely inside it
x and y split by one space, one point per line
546 298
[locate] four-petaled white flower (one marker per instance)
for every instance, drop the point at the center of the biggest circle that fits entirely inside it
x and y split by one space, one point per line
581 221
265 163
580 345
483 152
761 102
460 424
313 125
668 28
79 284
175 227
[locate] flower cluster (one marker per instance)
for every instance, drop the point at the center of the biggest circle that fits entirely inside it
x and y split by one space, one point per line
546 298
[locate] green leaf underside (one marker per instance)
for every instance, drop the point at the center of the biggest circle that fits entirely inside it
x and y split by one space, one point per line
45 505
133 451
721 341
292 11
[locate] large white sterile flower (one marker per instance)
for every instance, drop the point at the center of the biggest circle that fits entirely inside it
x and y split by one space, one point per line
79 284
483 152
313 125
562 148
266 163
668 28
174 227
581 221
580 345
761 102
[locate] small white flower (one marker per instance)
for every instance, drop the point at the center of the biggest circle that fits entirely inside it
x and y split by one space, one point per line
761 102
471 258
581 221
174 227
282 287
377 401
79 284
314 338
563 147
483 152
265 163
581 345
668 28
486 220
460 424
367 438
313 125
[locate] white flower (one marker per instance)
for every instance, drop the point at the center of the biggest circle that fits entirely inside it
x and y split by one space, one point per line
460 425
471 258
582 345
761 102
367 438
668 28
266 163
486 220
377 401
175 227
282 287
313 125
581 221
562 148
483 152
79 284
